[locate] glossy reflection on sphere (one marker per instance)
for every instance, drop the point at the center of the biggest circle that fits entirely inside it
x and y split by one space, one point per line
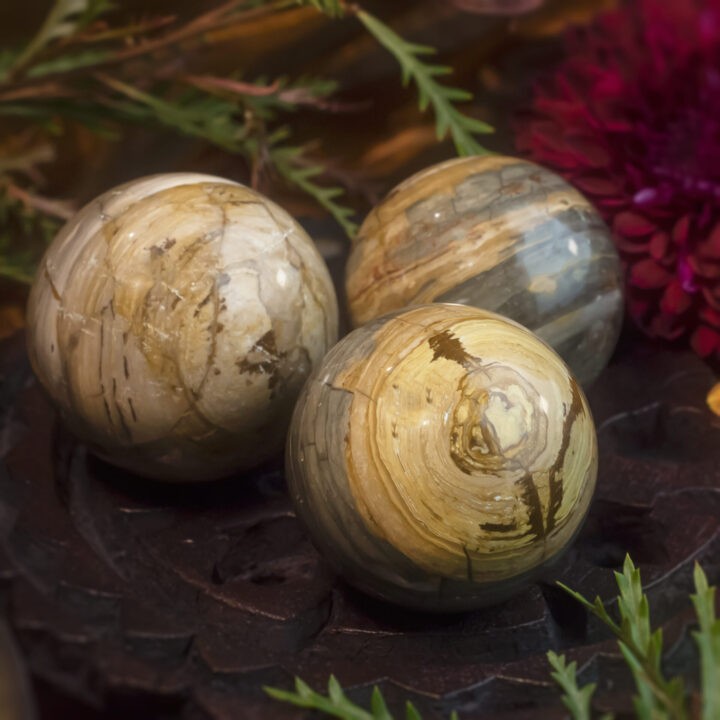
173 322
501 234
441 457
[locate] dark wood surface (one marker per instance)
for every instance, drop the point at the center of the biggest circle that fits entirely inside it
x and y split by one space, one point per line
131 599
182 601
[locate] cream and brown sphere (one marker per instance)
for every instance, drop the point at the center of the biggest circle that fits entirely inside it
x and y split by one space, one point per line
501 234
441 457
173 322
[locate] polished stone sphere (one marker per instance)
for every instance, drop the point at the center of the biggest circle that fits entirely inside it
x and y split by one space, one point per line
173 322
501 234
442 457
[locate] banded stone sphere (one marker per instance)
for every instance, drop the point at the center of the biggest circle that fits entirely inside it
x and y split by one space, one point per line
500 234
173 322
441 457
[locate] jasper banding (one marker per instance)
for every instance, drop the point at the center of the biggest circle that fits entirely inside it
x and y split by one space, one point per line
500 234
144 287
346 430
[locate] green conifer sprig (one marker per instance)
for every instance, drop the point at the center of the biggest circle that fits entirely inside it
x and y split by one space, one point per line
442 98
707 638
431 93
576 699
295 167
81 69
337 704
657 698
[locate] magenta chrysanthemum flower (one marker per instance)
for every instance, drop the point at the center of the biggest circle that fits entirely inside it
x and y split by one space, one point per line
632 118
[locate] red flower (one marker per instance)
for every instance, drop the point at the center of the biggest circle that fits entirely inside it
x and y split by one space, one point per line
631 117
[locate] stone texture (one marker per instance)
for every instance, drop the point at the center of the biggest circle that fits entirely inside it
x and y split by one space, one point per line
173 321
147 600
500 234
441 456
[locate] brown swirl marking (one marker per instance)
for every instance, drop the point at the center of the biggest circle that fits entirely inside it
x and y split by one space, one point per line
499 527
498 424
446 345
509 442
183 312
431 503
557 480
531 498
501 234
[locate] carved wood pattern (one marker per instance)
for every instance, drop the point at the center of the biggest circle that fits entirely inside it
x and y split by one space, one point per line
183 601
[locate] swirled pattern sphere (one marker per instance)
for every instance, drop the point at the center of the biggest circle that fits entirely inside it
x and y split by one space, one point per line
173 322
501 234
442 457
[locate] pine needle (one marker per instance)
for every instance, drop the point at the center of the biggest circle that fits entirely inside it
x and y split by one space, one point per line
292 164
65 18
442 98
657 698
337 704
577 700
707 638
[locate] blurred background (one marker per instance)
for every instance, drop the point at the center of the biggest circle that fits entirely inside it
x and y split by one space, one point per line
365 136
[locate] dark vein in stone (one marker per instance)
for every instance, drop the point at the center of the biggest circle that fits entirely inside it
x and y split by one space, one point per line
556 479
448 346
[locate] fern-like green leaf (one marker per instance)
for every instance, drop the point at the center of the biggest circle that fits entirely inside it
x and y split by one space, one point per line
292 165
657 697
336 704
577 700
66 63
8 58
411 712
635 615
206 117
378 706
448 118
66 17
708 641
596 608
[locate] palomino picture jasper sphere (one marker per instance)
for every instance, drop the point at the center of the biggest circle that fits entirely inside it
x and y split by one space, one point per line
500 234
441 457
173 322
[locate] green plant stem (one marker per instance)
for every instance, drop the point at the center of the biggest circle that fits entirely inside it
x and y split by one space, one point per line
656 682
441 97
212 20
641 648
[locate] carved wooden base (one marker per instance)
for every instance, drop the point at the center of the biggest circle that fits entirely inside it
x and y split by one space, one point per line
183 601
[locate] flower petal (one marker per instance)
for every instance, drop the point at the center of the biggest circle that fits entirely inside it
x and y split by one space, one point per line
599 185
632 225
659 245
710 247
649 275
705 341
681 231
675 301
710 316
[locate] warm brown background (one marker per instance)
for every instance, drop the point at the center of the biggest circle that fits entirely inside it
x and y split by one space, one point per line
378 144
371 148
